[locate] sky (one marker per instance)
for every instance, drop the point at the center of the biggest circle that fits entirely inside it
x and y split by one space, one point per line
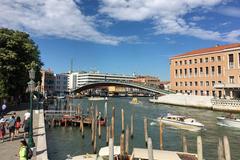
121 36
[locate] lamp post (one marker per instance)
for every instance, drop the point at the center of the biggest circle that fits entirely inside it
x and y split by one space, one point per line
31 89
37 89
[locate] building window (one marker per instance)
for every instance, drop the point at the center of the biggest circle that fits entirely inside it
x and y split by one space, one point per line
190 61
180 73
213 93
190 72
207 83
185 72
176 73
206 60
185 83
219 82
207 71
201 83
195 61
231 79
196 92
213 83
181 83
180 63
207 93
219 58
201 71
239 59
190 83
212 59
201 61
213 70
230 61
185 61
176 63
176 84
196 84
186 91
195 71
201 93
219 70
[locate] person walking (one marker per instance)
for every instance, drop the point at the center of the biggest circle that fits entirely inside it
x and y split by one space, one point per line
26 125
11 127
17 126
2 129
23 150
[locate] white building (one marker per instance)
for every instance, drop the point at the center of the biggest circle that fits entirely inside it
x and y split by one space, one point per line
78 79
61 84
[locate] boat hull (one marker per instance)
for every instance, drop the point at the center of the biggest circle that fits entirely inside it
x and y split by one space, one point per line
228 122
181 125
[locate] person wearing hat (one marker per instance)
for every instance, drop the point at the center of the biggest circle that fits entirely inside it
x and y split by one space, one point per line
23 151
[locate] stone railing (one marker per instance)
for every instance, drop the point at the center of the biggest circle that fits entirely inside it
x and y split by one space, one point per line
226 102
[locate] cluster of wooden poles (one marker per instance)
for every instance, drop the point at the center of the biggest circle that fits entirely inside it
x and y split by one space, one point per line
223 146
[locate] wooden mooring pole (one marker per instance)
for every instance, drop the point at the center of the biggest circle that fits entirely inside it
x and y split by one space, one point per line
107 134
161 135
184 141
82 127
199 148
99 129
220 150
111 149
150 149
127 140
113 123
122 146
145 130
226 148
122 111
132 125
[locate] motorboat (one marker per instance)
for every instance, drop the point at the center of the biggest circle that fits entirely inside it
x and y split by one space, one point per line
229 121
96 98
135 101
181 122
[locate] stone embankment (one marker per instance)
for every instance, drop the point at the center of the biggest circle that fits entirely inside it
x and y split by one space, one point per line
185 100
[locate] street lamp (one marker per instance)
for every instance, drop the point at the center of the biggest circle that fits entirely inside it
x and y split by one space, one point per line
31 89
37 89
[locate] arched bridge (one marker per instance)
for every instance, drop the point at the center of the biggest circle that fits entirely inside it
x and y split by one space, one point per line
122 84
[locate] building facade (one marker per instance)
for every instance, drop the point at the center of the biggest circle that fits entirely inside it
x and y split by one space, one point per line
78 79
61 84
147 80
47 82
209 72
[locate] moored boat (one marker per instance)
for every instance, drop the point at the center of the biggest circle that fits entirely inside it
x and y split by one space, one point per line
228 121
181 122
97 98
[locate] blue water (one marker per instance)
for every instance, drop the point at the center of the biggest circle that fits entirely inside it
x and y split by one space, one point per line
63 141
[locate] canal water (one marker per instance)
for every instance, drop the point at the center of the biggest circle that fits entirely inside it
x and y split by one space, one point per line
63 141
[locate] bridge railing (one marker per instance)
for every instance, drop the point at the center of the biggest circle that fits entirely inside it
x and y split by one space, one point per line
152 87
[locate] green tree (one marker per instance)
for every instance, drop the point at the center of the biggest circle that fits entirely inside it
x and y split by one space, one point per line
18 53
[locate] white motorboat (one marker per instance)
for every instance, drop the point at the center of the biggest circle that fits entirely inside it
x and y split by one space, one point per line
96 98
181 122
228 121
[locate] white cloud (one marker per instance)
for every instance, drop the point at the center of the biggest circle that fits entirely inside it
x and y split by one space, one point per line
168 16
60 18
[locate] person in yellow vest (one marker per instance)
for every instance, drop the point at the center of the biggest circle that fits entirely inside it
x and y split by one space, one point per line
23 151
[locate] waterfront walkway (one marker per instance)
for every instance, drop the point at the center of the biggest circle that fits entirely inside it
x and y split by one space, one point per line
9 149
